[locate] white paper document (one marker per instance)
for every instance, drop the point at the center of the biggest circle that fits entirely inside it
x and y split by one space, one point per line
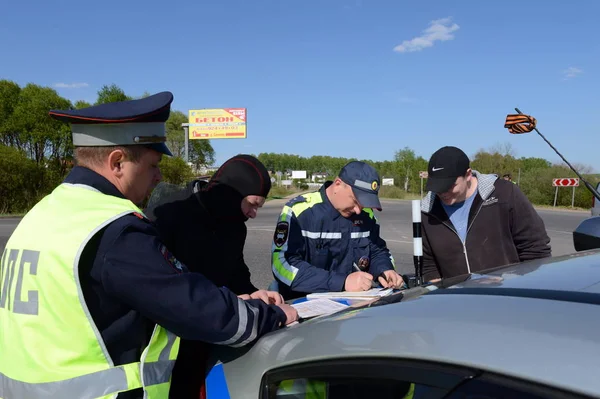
372 293
318 307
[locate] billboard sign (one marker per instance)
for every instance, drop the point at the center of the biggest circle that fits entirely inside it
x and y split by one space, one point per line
298 174
217 123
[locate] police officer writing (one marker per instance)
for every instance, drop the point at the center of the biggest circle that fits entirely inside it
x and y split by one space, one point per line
323 237
97 304
474 221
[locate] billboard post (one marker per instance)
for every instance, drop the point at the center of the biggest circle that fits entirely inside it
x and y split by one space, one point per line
186 136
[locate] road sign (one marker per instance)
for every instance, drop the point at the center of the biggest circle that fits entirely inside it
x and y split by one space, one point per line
566 182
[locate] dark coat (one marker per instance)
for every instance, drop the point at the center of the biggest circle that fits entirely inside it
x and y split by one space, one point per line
504 228
195 228
205 228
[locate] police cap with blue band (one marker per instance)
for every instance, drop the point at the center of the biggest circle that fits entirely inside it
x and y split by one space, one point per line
364 180
132 122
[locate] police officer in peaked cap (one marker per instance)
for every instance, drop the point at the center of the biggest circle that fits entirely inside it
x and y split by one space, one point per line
95 303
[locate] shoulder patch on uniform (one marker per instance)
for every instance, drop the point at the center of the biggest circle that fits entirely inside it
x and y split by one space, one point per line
281 234
296 200
139 215
171 259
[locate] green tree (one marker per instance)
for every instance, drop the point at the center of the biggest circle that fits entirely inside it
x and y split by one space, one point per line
9 98
82 104
20 180
110 94
406 168
40 136
200 152
534 163
175 171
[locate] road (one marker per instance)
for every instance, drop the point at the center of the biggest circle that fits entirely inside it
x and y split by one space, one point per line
396 229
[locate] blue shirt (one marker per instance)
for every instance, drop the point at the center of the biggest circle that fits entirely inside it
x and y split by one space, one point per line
459 215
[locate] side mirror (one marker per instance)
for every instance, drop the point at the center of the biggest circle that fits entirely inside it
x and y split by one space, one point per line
587 234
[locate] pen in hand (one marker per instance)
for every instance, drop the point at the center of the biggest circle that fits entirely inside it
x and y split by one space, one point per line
373 282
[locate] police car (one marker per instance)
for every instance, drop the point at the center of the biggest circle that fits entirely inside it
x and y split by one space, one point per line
530 330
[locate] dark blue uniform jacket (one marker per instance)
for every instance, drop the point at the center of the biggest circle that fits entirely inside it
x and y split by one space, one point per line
130 282
314 246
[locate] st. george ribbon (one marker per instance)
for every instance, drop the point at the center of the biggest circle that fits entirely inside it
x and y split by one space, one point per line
417 241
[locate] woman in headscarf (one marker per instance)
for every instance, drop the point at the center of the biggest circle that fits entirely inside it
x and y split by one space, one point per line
203 225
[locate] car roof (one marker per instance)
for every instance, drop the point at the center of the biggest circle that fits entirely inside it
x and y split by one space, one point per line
551 340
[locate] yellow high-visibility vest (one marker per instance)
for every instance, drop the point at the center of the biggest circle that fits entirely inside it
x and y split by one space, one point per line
49 344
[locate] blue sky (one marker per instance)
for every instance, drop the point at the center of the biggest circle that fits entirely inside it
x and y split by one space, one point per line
351 78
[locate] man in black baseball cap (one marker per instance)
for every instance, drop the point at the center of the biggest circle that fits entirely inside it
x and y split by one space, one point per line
474 221
445 167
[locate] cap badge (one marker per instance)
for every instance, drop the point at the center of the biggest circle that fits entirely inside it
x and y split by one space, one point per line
374 185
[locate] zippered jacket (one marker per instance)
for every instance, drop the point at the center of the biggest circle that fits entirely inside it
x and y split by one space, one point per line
314 246
503 228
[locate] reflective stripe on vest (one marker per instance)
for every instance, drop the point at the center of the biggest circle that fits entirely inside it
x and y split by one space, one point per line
49 343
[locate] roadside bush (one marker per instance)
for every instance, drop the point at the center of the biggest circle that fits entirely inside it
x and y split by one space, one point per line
537 186
300 184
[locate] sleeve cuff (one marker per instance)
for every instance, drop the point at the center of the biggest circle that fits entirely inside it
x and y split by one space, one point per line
431 276
337 282
281 317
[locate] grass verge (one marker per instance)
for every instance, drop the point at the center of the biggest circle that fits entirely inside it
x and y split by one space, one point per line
279 192
393 192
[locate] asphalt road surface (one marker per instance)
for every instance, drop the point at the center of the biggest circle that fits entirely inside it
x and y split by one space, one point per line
396 229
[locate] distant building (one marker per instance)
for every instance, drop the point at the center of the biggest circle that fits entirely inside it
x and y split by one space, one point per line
318 177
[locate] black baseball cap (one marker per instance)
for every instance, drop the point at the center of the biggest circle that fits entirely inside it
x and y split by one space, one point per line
445 165
364 180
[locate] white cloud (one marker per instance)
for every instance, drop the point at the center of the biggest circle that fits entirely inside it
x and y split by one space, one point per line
572 72
439 30
70 85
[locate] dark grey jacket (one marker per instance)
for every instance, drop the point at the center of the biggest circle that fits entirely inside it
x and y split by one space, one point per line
503 228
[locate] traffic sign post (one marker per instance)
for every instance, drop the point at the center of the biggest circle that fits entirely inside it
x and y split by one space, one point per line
565 182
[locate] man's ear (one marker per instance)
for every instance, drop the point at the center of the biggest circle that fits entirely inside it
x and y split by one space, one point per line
115 161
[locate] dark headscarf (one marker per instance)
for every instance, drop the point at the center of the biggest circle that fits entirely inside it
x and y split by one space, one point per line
237 178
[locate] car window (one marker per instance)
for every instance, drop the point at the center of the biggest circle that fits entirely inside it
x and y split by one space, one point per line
363 378
505 388
350 388
397 379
